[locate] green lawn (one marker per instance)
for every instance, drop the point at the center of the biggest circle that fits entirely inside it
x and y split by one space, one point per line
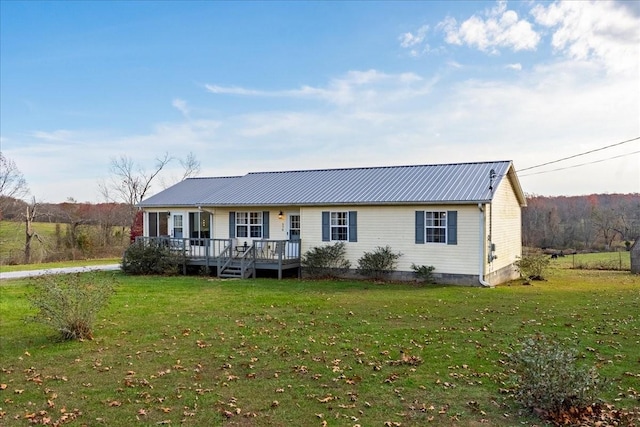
200 351
596 261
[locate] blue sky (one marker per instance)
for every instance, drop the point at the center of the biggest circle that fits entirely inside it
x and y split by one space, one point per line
260 86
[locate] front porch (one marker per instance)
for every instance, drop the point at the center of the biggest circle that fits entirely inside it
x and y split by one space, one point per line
231 260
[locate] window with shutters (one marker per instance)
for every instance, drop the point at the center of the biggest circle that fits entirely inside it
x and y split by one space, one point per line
435 227
249 224
339 226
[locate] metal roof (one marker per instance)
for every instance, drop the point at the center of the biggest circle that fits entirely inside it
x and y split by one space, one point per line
189 192
443 183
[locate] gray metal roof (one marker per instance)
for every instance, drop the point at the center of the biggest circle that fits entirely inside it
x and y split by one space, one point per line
447 183
189 192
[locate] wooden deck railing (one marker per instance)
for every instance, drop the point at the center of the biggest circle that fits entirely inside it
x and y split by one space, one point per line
262 250
229 257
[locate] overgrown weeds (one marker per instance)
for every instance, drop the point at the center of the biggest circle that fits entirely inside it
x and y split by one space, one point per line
548 379
69 303
533 267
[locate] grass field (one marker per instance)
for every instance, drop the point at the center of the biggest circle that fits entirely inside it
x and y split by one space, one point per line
596 261
46 248
12 237
200 351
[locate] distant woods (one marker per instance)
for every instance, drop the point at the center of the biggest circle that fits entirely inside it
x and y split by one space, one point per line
35 231
596 222
62 231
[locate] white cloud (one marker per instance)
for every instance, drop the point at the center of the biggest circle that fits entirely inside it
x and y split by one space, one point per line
415 42
494 29
57 135
351 89
411 39
182 106
516 67
600 31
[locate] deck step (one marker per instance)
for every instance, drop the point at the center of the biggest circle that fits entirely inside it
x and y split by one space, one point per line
234 271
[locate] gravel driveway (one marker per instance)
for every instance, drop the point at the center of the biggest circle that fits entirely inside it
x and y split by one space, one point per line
65 270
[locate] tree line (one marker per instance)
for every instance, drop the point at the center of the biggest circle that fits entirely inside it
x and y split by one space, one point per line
88 228
595 222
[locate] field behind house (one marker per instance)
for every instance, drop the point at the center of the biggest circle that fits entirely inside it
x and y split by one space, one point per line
53 245
200 351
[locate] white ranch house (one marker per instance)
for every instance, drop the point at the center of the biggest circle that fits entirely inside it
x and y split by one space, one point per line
464 219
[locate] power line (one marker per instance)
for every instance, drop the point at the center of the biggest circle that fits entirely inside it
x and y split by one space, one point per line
581 154
581 164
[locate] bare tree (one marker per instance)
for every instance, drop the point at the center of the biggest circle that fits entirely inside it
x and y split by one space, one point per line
191 166
12 183
129 183
30 233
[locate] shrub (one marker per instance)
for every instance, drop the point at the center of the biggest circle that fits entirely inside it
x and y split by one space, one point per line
424 272
533 267
328 260
547 377
69 303
154 257
378 263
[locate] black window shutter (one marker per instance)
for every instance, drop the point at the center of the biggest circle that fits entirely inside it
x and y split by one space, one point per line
353 226
452 227
419 226
232 225
265 224
326 226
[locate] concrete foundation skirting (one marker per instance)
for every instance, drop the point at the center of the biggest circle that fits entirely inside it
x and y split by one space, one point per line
495 278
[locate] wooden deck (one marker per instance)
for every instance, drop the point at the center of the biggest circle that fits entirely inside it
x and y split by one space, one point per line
228 259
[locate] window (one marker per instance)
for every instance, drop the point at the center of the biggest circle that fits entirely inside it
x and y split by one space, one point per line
199 225
177 226
158 224
435 227
339 226
249 224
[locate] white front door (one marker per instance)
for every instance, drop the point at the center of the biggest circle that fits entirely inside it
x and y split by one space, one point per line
293 224
177 225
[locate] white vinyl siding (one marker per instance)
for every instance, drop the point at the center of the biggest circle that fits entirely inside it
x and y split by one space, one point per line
395 226
506 225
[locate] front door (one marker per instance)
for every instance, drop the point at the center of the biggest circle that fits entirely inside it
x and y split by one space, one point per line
178 225
294 227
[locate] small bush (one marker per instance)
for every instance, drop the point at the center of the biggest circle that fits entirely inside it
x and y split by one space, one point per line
326 261
548 379
533 267
379 263
424 272
154 257
69 303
